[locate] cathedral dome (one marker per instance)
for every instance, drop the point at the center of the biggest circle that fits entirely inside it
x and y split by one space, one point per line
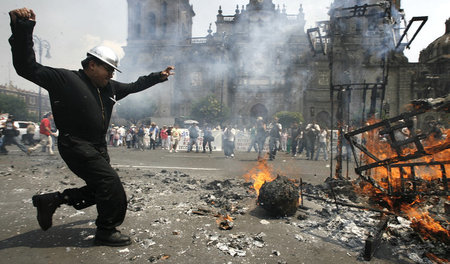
438 49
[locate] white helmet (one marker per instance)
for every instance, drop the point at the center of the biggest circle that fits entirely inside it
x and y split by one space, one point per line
106 55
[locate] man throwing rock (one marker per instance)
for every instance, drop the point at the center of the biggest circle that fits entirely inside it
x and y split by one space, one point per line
82 103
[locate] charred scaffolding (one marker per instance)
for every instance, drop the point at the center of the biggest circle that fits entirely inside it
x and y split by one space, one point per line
404 166
359 41
406 150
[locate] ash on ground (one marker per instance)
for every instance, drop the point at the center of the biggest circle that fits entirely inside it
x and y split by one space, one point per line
172 217
351 226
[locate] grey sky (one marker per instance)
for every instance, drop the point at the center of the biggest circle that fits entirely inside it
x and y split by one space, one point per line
72 27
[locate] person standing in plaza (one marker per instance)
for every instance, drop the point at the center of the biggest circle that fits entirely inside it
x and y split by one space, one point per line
154 132
169 136
140 135
164 138
261 135
253 143
82 102
295 133
323 144
176 136
311 132
275 129
207 137
229 136
194 132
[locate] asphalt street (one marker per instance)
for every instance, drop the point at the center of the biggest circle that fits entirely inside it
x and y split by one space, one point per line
160 219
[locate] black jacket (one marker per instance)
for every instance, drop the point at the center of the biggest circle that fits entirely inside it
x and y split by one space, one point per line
79 108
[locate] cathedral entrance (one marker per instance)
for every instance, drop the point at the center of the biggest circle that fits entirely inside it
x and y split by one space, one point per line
323 119
258 110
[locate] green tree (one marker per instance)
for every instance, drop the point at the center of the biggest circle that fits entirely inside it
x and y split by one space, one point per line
287 118
15 106
135 108
208 109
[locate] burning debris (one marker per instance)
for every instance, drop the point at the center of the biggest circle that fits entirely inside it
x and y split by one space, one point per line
279 197
405 171
225 222
364 228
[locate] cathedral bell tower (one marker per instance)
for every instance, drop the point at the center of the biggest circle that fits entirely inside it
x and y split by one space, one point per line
160 21
157 31
155 27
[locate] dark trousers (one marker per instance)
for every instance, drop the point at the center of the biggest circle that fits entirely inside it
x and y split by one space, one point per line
228 148
209 145
8 140
294 147
301 145
103 187
260 142
152 143
310 146
273 147
253 145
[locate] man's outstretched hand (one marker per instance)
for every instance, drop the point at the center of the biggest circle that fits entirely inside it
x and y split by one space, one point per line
23 13
167 72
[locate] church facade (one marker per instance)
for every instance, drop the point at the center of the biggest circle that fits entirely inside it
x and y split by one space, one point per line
260 60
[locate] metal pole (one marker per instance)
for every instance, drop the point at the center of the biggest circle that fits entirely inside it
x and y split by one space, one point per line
40 96
41 43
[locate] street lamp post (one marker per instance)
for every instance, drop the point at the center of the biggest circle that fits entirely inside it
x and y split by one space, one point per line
41 44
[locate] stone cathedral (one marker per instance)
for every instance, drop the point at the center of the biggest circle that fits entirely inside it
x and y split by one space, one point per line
261 60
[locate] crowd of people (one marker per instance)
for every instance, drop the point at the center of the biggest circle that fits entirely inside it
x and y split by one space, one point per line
295 140
145 137
309 139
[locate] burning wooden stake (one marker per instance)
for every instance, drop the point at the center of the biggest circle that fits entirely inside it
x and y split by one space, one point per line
279 197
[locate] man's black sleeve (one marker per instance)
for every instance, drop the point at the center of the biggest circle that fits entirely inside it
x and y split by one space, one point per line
24 59
144 82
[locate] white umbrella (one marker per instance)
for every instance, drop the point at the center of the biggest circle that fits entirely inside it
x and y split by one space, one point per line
190 122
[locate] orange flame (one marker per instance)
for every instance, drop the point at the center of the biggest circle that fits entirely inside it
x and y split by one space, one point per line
425 223
400 179
260 174
221 218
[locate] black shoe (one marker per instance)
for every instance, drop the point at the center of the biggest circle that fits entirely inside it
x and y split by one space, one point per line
111 238
46 205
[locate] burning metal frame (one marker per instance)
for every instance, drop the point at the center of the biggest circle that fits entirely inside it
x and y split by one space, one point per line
405 162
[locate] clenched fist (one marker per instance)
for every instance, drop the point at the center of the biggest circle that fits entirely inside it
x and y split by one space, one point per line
22 13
